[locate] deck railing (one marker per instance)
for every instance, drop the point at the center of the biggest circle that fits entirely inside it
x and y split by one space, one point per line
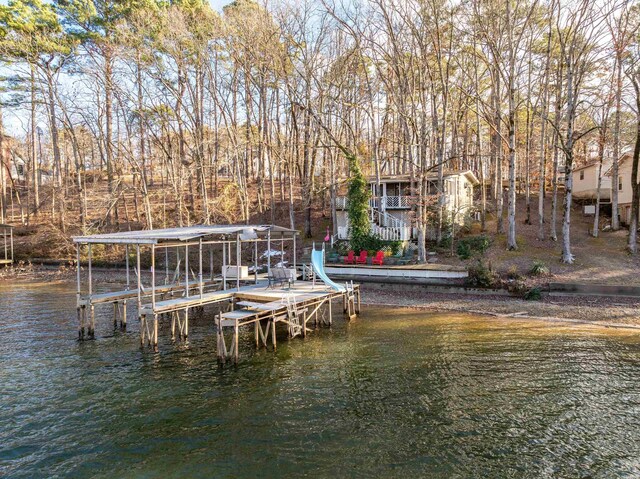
387 233
382 202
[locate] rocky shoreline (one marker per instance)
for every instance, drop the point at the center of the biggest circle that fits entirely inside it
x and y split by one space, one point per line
601 310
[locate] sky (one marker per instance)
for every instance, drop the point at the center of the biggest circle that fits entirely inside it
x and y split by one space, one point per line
218 4
15 119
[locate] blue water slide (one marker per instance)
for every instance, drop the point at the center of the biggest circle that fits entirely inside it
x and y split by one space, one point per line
317 261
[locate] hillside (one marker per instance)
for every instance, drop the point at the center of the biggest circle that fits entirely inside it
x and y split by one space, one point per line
598 260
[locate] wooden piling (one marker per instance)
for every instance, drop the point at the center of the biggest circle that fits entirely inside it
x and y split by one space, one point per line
235 342
155 331
92 322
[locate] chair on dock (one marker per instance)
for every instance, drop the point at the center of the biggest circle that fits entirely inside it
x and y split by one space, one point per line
379 258
362 258
279 276
351 258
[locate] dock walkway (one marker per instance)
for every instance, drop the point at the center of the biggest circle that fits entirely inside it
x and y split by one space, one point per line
255 305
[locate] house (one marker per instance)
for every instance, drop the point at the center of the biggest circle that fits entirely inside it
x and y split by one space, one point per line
585 181
393 202
17 171
625 192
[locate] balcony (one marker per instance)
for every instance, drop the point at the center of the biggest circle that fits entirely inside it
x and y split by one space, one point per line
402 233
384 202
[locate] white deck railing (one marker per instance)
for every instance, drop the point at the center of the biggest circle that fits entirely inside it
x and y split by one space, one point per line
384 202
386 233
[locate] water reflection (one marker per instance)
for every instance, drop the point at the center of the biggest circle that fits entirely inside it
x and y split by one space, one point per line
394 394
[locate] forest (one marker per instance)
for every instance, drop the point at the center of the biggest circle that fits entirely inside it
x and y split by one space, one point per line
171 113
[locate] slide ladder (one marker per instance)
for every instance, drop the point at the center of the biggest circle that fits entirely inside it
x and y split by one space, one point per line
317 261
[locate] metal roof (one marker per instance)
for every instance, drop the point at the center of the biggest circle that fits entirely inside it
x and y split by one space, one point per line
178 234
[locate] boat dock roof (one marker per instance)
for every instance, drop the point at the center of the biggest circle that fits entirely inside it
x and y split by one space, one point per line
186 233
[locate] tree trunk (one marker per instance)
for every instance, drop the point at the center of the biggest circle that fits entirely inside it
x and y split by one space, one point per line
615 218
632 243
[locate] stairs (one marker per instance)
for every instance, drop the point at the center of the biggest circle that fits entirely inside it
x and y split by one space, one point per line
389 227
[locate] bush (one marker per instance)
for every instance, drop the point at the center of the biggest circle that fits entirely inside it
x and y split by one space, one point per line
367 242
539 269
394 247
473 244
512 273
342 247
534 294
481 275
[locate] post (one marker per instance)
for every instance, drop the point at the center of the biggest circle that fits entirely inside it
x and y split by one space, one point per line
211 261
238 252
186 269
78 292
143 326
178 265
224 265
255 261
166 266
273 330
256 325
295 271
139 280
155 331
92 322
11 236
92 317
153 280
186 323
126 261
268 252
200 273
235 341
220 339
90 278
282 249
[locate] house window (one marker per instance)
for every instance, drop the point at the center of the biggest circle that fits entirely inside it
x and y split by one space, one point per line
20 169
582 174
620 183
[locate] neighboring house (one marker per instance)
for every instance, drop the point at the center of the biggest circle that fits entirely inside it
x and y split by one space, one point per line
391 205
585 181
624 188
18 171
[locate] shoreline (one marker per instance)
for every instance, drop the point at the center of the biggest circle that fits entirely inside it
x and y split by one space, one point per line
612 312
584 322
601 311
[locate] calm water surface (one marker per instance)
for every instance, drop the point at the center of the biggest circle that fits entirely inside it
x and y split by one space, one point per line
393 394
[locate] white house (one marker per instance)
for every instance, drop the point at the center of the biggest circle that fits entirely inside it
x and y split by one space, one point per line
392 203
625 194
585 181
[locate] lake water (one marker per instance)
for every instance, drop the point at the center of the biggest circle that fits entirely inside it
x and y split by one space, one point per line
392 394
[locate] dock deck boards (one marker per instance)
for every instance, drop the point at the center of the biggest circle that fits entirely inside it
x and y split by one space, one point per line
113 296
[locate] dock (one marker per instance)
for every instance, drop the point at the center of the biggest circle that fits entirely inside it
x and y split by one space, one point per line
166 287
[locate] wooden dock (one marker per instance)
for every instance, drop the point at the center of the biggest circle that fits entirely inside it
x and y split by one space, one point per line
240 298
255 305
